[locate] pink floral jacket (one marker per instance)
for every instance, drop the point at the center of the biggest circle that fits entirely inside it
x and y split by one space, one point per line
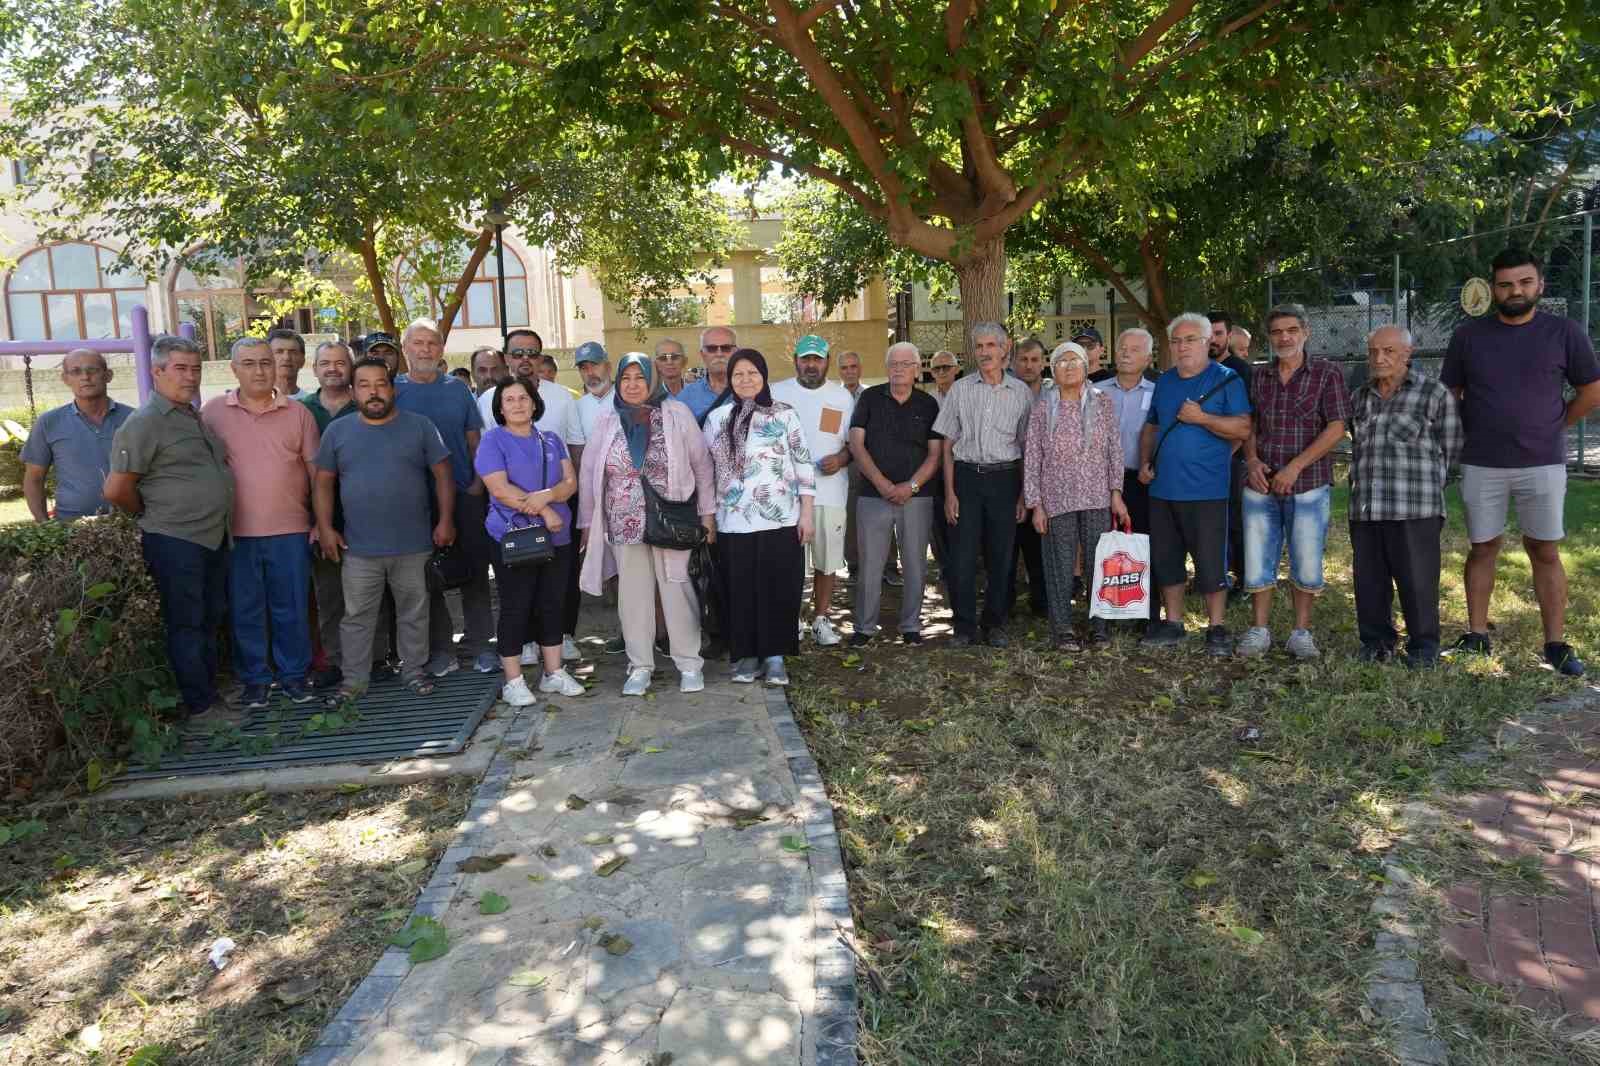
1076 467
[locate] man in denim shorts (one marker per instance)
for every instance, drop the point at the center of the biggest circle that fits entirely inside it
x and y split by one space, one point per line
1508 370
1299 410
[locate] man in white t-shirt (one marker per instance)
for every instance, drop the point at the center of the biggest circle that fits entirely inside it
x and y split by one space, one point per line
824 408
595 367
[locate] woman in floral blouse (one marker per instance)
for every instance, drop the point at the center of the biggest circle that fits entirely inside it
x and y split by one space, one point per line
644 433
1072 481
765 485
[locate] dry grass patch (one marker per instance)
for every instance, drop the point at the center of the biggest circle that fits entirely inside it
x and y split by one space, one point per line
108 911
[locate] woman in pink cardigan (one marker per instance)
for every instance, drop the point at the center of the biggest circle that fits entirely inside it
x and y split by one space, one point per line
644 434
1072 481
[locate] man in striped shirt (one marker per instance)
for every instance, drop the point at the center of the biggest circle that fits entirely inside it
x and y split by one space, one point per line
1406 434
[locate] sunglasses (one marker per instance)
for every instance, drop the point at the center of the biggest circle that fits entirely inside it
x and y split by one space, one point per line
524 353
720 348
670 357
941 369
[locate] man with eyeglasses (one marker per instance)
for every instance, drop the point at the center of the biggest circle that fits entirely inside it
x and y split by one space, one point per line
943 366
717 346
669 364
75 439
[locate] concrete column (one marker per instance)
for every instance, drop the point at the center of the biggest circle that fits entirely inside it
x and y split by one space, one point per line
746 268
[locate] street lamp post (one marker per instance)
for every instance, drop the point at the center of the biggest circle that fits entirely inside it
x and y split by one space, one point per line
498 218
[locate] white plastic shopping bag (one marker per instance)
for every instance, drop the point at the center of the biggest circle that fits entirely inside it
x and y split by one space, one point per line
1121 587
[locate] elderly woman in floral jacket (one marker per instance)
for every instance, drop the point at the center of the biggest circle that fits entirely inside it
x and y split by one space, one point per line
1072 481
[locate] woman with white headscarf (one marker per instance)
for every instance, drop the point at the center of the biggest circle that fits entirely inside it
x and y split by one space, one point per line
1072 481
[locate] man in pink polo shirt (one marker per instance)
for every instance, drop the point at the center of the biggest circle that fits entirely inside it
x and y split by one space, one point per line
271 442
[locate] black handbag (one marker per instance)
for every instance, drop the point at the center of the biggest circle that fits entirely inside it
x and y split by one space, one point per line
448 568
673 524
529 545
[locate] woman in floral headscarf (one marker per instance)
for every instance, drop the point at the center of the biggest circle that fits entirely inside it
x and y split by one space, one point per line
644 434
765 486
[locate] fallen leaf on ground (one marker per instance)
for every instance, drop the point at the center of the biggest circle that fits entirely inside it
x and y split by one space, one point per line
1248 935
548 851
794 843
610 867
295 991
594 921
575 802
426 938
482 864
493 903
598 839
527 979
616 944
415 866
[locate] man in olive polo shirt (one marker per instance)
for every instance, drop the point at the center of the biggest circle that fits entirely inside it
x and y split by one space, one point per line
173 475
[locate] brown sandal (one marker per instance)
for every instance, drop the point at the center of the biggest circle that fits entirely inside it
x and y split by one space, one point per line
420 686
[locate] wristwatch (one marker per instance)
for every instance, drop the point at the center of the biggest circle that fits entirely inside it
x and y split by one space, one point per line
915 488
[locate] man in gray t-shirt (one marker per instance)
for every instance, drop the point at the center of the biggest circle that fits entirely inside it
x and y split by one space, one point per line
387 466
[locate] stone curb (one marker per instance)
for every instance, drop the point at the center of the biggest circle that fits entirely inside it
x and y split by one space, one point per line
835 1016
371 997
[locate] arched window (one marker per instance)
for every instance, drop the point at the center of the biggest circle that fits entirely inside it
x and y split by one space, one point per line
72 292
217 295
428 279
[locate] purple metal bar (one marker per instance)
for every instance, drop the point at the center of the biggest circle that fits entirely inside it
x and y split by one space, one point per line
141 352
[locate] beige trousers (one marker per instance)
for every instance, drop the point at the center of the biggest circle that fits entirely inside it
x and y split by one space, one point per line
641 575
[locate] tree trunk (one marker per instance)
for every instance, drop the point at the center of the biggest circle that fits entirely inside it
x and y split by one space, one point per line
1152 258
981 275
368 251
452 306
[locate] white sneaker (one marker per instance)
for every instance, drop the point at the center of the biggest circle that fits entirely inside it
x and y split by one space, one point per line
1301 645
569 650
692 681
516 692
562 682
638 682
1257 640
823 630
530 655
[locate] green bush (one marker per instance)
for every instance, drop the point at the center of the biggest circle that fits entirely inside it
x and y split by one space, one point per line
83 675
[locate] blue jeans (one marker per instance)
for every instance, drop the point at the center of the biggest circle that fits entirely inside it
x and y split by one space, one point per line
267 583
191 581
1270 521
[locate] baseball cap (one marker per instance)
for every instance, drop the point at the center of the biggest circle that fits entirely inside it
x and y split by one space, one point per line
1089 333
590 352
811 344
373 340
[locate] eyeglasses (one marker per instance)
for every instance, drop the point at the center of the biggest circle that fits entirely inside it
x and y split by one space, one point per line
670 357
719 347
941 369
524 353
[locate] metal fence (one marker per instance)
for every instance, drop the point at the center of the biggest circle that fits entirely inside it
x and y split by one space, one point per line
1421 290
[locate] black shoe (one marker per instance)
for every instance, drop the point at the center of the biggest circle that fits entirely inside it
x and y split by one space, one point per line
912 637
963 640
997 638
1560 655
1421 660
1219 642
1374 653
1099 635
1163 635
384 668
1469 644
616 646
860 640
297 692
254 697
328 677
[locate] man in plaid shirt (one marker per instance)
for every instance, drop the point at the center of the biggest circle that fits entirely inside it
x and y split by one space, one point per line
1406 434
1299 410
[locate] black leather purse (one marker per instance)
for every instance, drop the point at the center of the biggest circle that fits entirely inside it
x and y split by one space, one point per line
672 524
448 568
529 545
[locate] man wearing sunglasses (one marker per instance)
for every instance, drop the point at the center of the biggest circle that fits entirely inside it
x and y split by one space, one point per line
670 362
717 346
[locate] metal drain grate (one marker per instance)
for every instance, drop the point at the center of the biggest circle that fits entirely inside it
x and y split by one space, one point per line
392 724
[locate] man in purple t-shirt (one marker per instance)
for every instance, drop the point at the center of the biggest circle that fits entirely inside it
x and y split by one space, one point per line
1509 371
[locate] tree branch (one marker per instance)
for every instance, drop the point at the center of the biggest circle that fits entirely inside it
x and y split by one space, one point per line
994 182
1145 43
815 12
447 311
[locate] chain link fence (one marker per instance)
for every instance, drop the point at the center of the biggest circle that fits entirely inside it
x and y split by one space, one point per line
1422 290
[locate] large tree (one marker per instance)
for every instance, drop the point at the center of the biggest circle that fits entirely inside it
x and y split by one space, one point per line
248 141
950 124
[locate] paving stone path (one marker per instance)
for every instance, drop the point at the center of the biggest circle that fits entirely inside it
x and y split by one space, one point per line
1543 948
716 943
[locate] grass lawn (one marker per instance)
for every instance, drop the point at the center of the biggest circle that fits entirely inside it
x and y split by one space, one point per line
1059 859
108 911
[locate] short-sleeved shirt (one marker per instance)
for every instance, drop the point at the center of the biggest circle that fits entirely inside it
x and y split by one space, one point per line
79 451
1193 463
825 417
270 455
1132 407
986 423
385 475
1513 409
530 463
184 478
1290 415
896 434
560 412
589 407
448 404
698 396
313 402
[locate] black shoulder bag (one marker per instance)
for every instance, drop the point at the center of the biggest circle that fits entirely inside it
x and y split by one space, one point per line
529 545
673 524
1201 399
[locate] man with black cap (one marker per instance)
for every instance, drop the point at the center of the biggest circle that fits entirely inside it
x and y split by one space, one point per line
380 346
1094 350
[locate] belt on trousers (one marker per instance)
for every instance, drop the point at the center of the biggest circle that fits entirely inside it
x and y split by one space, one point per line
990 468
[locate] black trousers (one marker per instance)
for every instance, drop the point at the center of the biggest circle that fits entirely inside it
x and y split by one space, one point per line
763 576
1403 557
988 524
1136 498
1030 554
530 600
572 599
1236 517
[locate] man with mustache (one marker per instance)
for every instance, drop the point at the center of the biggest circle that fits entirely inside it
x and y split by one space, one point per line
1508 371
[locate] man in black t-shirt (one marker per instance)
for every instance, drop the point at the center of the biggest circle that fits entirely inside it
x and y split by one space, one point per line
897 451
1221 329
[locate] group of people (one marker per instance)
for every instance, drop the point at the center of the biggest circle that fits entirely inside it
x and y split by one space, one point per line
265 508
